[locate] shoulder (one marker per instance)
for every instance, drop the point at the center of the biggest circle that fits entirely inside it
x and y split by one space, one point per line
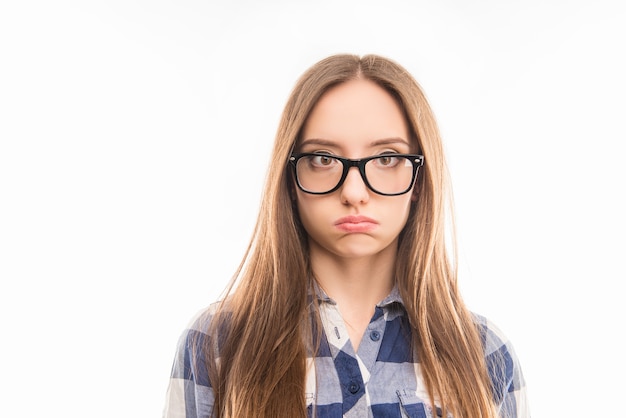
189 393
492 336
201 321
504 369
196 337
199 328
498 349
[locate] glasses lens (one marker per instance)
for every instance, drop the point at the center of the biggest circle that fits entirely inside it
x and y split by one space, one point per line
389 174
318 173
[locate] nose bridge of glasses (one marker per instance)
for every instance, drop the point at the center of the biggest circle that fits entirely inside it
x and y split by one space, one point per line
359 166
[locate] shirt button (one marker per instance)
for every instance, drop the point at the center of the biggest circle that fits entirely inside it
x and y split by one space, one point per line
354 387
375 335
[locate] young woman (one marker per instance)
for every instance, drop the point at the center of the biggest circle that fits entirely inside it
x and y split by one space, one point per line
346 303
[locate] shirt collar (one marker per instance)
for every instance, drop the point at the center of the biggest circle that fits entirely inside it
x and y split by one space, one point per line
393 297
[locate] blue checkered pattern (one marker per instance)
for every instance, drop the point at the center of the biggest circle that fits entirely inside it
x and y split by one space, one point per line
382 379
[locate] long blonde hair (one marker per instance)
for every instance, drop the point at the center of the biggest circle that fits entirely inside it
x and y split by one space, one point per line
263 324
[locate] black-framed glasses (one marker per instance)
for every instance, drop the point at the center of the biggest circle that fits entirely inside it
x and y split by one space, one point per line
384 174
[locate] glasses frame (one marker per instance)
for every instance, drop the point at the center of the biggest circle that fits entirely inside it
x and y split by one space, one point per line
416 159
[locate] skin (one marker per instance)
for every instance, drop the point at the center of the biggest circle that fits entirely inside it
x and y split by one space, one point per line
354 264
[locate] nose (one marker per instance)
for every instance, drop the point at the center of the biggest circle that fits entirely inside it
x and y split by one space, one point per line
354 190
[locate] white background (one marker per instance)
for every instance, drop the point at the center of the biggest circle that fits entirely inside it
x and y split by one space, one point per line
135 137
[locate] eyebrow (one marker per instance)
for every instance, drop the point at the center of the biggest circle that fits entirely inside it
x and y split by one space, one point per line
377 142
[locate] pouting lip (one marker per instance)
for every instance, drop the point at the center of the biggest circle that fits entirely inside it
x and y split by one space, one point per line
354 219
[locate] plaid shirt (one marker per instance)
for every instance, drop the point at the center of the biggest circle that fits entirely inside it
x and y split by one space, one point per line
382 379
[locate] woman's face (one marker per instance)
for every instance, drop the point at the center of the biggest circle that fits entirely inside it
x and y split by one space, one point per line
354 120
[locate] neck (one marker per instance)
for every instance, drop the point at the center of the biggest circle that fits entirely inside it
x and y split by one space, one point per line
355 282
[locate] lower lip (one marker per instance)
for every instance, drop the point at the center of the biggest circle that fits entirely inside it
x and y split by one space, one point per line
356 227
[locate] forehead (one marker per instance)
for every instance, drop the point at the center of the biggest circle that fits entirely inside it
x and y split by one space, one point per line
356 113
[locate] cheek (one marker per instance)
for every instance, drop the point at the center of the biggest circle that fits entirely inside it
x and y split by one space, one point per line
400 211
308 210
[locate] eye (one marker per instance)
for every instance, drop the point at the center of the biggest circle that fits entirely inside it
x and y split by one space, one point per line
322 160
387 161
